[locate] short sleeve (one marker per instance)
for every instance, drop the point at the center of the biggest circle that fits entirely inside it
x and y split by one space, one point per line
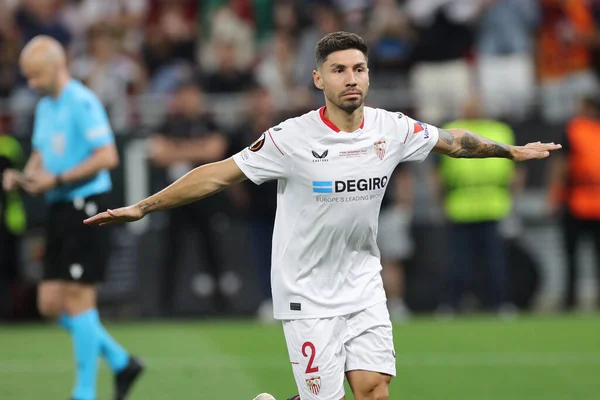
419 140
94 123
263 160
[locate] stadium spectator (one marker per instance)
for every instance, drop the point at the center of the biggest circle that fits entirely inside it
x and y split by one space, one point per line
390 35
504 53
395 241
188 139
325 19
10 43
170 46
258 203
564 57
227 76
41 17
229 46
12 222
277 73
477 196
575 192
125 17
112 75
441 77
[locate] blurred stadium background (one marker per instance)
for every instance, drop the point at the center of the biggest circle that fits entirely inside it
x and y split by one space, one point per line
248 65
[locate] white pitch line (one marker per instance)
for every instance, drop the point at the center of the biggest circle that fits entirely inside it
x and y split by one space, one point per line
17 366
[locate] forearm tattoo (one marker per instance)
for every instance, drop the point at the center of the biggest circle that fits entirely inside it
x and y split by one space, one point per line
447 137
149 206
475 146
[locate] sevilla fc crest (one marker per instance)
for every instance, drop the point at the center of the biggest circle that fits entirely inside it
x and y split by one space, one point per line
314 385
380 149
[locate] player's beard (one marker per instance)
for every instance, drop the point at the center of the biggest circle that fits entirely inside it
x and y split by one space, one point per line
348 105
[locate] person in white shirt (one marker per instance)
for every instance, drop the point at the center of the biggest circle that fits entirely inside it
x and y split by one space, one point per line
332 166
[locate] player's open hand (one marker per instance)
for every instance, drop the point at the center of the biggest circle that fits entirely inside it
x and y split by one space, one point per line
533 151
119 215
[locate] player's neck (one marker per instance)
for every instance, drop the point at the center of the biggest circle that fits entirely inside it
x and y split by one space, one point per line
346 122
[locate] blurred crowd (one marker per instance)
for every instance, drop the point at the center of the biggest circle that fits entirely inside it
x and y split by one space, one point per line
206 77
518 56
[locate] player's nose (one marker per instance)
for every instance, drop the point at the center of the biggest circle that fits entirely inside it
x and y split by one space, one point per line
351 80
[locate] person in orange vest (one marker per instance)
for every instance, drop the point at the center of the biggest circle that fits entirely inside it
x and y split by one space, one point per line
575 189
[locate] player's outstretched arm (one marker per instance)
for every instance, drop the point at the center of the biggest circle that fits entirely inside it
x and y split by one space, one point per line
460 143
199 183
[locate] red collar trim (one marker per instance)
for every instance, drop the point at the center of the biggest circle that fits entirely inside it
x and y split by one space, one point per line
331 124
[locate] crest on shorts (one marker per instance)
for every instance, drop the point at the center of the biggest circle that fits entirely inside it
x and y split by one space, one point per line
380 148
314 385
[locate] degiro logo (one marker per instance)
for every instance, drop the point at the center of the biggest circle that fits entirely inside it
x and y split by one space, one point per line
351 185
322 187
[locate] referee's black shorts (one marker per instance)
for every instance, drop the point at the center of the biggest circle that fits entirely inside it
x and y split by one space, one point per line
76 252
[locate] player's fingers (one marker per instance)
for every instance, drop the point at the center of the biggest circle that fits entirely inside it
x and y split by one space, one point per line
115 213
544 146
552 146
110 222
97 219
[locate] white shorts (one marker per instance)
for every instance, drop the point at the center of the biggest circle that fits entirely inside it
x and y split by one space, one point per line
322 350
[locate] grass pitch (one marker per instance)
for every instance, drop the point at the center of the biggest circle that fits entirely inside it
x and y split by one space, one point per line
545 358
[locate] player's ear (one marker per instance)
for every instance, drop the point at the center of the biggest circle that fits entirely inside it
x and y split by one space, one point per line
318 80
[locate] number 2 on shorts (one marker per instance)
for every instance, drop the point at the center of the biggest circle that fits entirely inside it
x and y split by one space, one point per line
313 351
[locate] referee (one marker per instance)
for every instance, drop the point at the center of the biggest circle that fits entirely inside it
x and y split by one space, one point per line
73 149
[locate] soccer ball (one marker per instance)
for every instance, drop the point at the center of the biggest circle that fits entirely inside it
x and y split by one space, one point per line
264 396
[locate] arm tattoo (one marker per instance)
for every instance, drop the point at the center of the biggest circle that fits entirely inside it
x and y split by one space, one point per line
475 146
447 137
147 207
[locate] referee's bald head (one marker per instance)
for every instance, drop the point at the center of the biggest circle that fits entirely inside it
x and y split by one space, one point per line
43 62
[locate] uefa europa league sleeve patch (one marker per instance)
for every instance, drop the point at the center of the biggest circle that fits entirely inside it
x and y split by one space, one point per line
256 146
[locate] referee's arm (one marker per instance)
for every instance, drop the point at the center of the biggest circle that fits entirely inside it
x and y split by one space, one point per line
14 178
197 184
34 164
105 157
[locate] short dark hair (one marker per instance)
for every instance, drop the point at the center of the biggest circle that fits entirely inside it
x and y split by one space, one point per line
337 41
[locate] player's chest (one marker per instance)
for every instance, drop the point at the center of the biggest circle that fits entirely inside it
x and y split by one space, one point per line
329 158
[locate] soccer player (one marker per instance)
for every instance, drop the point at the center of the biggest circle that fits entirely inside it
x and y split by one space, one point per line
332 166
73 149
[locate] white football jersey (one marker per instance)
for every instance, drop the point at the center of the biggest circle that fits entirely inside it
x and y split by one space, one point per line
325 259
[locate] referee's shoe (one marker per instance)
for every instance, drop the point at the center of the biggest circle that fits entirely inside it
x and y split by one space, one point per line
124 379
